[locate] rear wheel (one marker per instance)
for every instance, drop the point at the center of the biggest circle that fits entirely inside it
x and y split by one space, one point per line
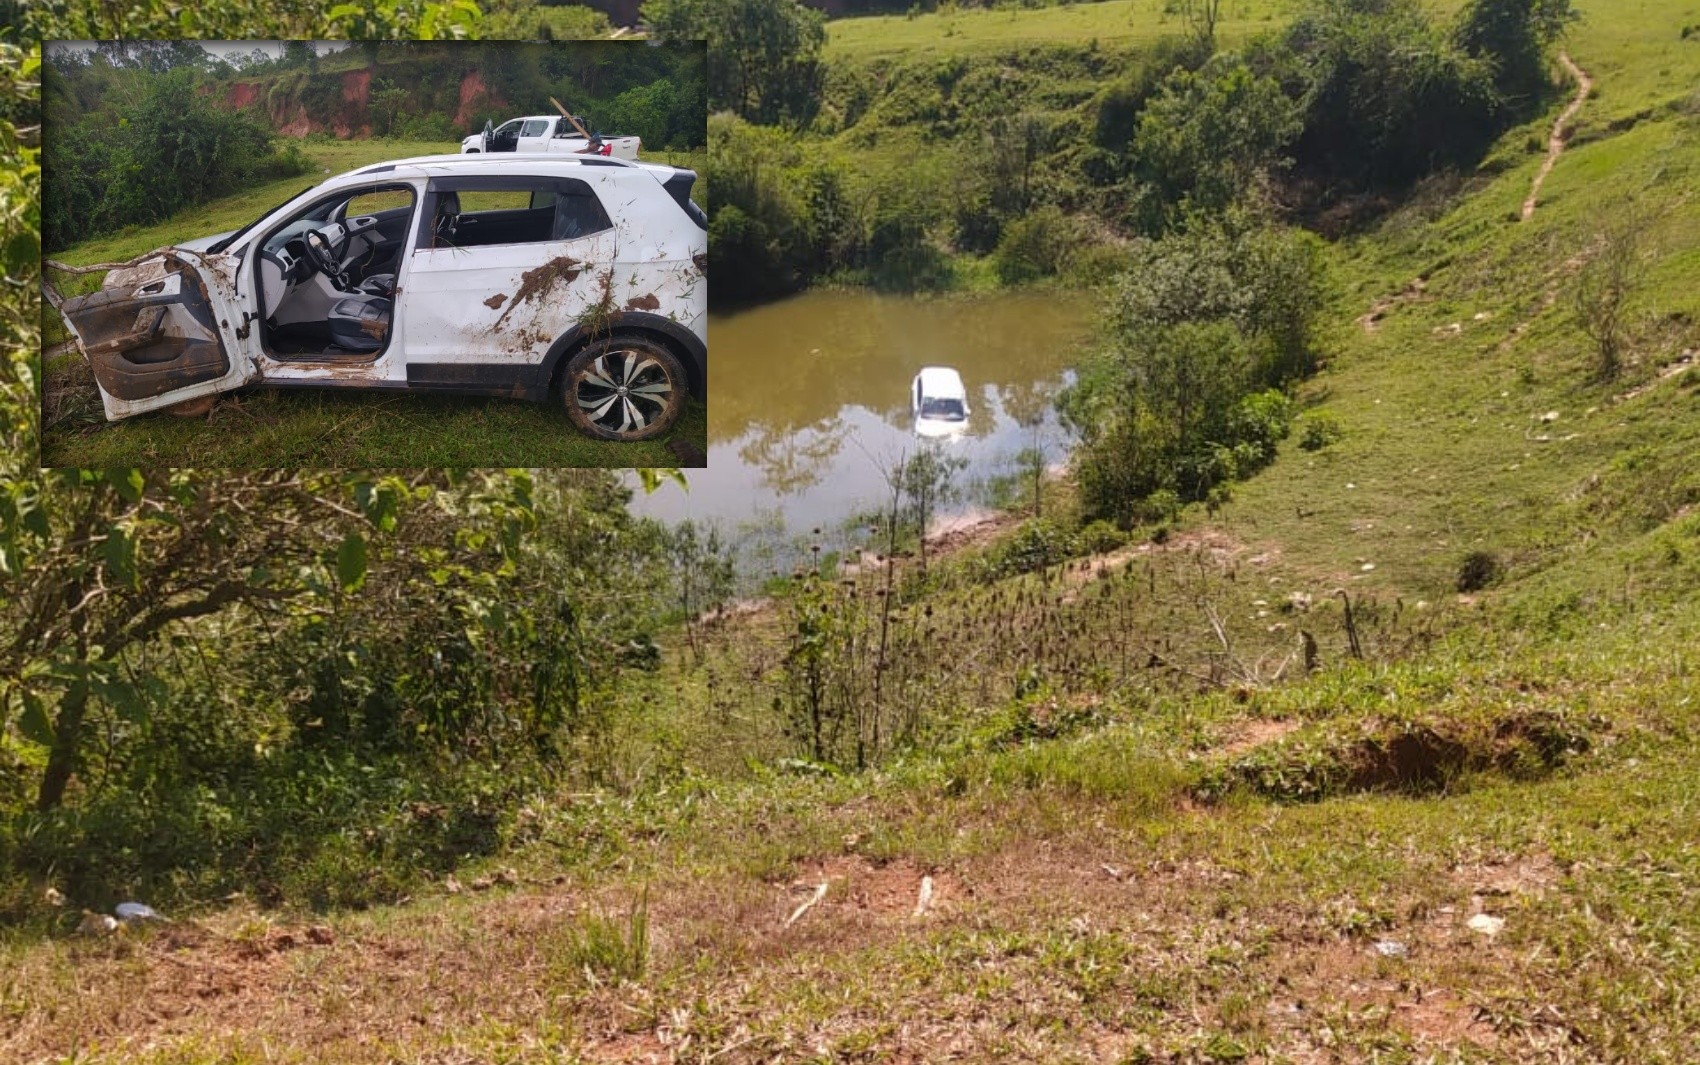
624 388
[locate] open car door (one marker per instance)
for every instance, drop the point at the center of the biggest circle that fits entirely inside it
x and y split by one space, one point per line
160 332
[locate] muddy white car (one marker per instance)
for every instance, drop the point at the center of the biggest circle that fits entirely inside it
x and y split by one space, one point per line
578 280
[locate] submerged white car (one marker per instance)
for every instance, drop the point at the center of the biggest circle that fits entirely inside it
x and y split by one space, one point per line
579 279
939 402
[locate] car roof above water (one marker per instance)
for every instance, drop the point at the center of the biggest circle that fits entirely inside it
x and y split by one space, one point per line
941 382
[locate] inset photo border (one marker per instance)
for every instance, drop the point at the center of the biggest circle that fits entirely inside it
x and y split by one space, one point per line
384 254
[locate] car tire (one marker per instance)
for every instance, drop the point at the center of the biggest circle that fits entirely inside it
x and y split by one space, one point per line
623 388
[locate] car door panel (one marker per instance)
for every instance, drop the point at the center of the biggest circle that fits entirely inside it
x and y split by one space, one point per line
502 303
157 334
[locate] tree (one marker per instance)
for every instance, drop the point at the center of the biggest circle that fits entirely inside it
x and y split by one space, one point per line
1209 136
1388 97
100 562
385 104
1201 18
925 482
1605 288
1204 328
1515 35
298 54
763 54
76 20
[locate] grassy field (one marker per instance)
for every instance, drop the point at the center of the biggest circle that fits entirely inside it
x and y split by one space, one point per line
1110 23
317 428
1166 843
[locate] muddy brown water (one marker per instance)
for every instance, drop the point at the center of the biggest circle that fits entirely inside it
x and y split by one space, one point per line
808 402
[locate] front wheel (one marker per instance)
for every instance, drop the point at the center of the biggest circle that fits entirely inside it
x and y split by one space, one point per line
624 388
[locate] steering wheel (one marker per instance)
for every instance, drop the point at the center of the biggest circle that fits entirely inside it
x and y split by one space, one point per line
325 257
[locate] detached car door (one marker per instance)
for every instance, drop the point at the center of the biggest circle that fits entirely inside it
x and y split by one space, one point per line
159 333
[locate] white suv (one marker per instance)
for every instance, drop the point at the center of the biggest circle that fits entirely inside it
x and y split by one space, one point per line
574 277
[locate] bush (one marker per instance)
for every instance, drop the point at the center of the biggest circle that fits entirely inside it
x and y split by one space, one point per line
1389 97
171 149
1039 542
1206 328
1319 431
1478 570
1035 246
429 127
1101 537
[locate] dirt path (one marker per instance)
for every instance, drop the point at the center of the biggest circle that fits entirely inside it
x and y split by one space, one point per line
1555 142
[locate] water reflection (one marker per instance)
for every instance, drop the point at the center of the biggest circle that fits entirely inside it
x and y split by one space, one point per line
809 402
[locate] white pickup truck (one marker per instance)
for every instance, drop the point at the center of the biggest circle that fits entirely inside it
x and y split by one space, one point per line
547 133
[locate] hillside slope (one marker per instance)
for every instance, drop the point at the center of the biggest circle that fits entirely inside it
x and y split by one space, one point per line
1475 842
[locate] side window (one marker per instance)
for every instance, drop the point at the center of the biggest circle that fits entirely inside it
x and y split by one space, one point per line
377 202
578 213
516 210
534 128
508 127
474 202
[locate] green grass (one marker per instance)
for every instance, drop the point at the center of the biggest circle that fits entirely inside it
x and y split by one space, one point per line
1112 22
319 428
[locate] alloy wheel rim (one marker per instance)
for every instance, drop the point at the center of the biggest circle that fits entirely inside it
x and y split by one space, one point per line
623 391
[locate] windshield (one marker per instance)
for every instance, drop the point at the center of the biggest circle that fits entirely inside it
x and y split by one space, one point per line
227 241
948 410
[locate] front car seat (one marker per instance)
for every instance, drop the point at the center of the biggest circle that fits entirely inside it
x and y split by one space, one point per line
448 216
360 323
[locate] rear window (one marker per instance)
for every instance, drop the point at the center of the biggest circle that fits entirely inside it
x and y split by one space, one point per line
949 410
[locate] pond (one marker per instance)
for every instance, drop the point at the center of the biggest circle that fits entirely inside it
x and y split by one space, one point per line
809 404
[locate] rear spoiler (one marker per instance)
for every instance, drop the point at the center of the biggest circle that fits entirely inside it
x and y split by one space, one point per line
679 187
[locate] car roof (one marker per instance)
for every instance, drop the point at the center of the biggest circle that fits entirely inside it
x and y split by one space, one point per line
941 382
478 162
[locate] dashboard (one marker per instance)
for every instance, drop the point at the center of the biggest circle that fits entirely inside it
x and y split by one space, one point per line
284 264
286 249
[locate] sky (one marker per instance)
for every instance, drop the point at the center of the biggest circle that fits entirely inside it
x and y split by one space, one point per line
220 49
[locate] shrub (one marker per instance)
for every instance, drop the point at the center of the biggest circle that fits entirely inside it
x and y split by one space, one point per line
1318 431
1035 246
171 149
1100 537
1478 570
428 127
1039 542
1389 97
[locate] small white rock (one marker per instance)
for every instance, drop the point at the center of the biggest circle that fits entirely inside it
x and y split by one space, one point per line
1486 924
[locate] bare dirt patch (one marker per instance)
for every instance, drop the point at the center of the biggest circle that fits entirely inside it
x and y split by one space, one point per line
1415 291
1560 131
1250 735
899 890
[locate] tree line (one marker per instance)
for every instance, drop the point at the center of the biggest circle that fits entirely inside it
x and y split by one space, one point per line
882 170
140 130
